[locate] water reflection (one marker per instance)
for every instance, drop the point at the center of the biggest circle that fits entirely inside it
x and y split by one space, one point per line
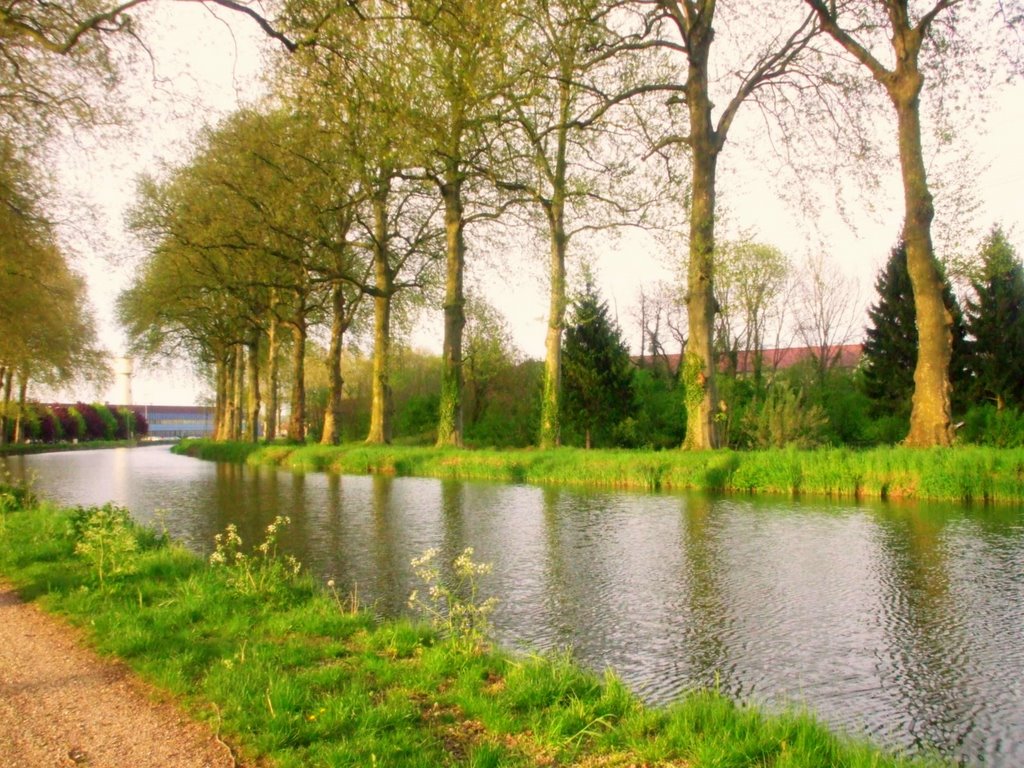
904 622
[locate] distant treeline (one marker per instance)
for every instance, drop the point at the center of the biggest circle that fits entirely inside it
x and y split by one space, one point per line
58 422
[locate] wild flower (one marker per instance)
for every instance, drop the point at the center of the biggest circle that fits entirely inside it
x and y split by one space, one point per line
262 571
455 610
105 539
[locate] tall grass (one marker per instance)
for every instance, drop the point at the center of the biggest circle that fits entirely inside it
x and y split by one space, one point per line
291 677
963 474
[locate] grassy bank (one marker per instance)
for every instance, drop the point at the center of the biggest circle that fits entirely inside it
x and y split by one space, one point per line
291 676
18 449
963 474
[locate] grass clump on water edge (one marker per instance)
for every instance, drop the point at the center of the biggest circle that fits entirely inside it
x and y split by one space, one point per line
288 673
963 474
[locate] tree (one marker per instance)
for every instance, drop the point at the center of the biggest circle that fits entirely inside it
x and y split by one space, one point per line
874 32
995 322
890 346
751 279
827 306
597 369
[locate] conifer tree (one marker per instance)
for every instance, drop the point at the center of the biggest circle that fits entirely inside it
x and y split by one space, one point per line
597 372
890 346
995 321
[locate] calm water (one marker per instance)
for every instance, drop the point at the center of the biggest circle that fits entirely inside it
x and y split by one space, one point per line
904 623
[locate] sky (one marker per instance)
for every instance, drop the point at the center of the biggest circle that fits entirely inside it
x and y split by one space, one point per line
203 64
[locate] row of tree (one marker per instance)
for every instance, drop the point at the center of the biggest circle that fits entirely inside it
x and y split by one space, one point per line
397 124
73 423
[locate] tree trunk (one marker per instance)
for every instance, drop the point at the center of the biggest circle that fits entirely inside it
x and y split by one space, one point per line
238 385
19 418
225 380
7 379
930 416
449 426
273 343
699 364
381 406
297 422
252 432
551 404
332 418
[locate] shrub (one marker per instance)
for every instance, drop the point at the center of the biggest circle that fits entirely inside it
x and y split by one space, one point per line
108 420
988 425
93 427
785 419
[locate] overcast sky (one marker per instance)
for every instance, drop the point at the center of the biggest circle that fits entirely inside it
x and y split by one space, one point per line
203 66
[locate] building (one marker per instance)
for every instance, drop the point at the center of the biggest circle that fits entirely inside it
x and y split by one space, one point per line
178 420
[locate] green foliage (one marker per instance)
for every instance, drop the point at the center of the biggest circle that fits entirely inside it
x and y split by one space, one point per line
454 607
785 419
659 421
597 374
260 572
418 417
998 427
995 320
890 345
108 420
105 538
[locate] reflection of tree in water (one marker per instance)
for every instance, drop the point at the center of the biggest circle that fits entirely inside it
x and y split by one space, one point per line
392 587
705 616
561 601
924 667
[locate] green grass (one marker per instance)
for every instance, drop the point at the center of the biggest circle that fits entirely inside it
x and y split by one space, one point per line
962 474
291 678
16 449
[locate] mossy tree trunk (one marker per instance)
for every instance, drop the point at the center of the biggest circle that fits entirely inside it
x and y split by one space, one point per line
930 414
450 417
238 384
252 349
551 404
381 405
273 384
930 417
332 417
297 420
705 144
7 380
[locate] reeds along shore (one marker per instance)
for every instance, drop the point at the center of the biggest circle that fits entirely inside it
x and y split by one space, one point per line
969 474
291 674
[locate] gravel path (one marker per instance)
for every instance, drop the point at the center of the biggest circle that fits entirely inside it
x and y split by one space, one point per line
63 706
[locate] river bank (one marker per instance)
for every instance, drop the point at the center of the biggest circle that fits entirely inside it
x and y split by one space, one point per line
24 449
968 474
290 674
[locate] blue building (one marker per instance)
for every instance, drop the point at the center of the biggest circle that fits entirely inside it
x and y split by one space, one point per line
178 420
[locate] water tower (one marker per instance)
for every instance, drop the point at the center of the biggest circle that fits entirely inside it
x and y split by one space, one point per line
123 370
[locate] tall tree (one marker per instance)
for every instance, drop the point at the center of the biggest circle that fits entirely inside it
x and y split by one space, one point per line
766 56
598 371
462 92
995 322
890 344
875 32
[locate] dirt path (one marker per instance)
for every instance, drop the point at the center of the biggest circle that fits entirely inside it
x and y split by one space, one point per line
62 706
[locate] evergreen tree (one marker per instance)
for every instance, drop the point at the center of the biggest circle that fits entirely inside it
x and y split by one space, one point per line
995 321
890 346
596 369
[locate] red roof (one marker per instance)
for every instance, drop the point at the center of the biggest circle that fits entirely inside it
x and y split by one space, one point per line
843 355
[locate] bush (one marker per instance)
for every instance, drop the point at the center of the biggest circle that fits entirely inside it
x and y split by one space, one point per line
92 424
988 425
108 420
785 419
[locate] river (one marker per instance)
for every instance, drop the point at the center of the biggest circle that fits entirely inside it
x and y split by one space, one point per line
903 623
